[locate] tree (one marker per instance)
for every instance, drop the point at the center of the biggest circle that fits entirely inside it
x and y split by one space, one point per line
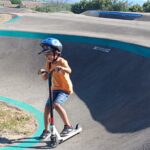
136 8
120 5
84 5
80 7
146 6
105 5
101 4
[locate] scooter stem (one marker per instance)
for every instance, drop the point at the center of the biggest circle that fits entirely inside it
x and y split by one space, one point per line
51 99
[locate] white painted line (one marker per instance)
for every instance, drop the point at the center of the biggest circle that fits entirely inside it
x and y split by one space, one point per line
102 49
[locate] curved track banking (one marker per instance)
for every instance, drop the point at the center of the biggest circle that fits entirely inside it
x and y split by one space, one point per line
111 89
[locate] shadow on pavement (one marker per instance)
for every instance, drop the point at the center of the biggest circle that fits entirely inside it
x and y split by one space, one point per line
115 86
27 143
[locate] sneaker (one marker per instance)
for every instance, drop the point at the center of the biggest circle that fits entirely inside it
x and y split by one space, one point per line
67 129
45 134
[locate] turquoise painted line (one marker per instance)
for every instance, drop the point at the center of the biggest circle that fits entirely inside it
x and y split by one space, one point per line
134 48
13 20
29 142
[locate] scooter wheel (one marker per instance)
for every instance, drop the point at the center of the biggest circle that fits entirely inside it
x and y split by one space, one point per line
53 141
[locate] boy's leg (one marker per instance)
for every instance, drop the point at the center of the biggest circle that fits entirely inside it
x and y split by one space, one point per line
67 126
61 111
46 133
59 99
46 117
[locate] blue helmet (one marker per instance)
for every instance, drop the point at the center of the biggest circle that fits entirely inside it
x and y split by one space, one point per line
51 44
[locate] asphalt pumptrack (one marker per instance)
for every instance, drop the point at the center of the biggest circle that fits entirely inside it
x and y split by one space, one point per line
110 59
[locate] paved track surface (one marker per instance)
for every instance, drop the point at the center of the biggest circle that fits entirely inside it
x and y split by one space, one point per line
111 90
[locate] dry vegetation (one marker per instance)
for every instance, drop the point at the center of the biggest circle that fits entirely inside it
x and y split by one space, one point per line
14 123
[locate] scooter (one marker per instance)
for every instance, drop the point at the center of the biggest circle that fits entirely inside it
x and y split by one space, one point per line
55 137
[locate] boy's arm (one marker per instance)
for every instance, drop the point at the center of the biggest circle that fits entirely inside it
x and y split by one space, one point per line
44 72
64 67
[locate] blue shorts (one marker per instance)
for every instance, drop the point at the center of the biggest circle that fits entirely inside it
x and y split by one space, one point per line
59 97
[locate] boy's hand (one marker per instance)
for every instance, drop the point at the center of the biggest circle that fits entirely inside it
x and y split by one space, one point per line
58 68
42 71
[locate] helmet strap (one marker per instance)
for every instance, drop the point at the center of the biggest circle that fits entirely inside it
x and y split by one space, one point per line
55 57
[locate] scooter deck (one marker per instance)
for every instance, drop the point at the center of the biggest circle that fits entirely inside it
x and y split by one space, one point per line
56 139
70 135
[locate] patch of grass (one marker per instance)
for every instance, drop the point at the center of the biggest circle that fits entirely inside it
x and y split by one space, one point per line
14 120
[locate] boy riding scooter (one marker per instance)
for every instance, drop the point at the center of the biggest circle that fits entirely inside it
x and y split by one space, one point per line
61 86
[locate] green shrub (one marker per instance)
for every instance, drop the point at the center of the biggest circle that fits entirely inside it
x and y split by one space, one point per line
15 1
119 5
53 8
136 8
106 5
